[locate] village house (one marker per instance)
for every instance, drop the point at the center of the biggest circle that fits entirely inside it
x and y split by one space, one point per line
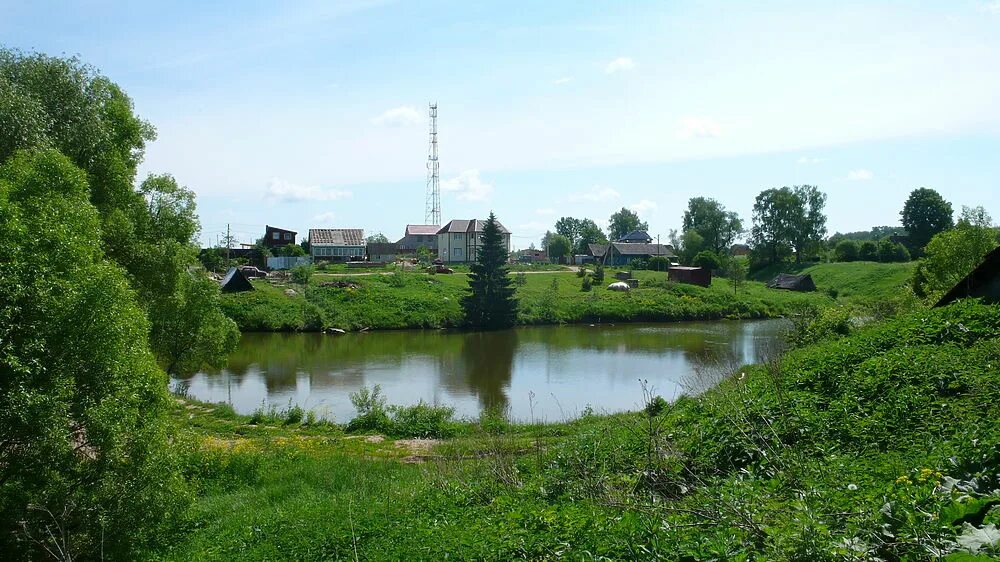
622 253
383 252
275 237
636 237
336 244
459 240
417 235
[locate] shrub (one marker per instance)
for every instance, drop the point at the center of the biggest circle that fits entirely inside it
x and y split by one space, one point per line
638 263
868 251
421 420
302 273
658 263
294 415
372 414
846 251
599 273
890 252
581 272
520 279
708 260
586 285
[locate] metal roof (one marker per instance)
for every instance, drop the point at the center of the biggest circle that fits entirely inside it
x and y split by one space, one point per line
472 225
336 237
422 229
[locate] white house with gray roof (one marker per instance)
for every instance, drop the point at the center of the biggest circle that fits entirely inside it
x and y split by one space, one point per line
336 244
418 235
459 240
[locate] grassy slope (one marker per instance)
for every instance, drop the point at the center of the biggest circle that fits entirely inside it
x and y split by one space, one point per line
838 451
415 300
854 280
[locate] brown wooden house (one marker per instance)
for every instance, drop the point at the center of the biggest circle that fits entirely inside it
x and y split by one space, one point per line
275 237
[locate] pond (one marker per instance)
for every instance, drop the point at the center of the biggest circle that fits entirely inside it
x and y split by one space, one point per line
545 373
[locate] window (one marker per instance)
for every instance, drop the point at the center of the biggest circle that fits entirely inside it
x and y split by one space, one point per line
458 253
277 236
288 236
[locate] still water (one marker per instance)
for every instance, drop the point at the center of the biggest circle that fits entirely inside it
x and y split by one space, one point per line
542 373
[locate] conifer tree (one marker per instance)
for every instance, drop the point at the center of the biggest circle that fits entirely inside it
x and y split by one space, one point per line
490 303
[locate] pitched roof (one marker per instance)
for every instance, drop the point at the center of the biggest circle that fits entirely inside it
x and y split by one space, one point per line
269 228
473 225
984 281
792 282
337 236
597 250
235 282
636 235
421 229
637 249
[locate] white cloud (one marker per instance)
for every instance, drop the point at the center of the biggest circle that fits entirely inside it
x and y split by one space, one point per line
643 206
563 80
283 191
545 212
532 227
699 127
991 7
620 64
324 218
810 160
596 193
398 117
468 186
860 175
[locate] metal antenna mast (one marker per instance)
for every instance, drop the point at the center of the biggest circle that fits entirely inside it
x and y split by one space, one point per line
432 209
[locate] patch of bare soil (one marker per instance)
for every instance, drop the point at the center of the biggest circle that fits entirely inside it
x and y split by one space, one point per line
419 449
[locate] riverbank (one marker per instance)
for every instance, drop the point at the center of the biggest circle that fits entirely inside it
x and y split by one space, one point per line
877 444
417 300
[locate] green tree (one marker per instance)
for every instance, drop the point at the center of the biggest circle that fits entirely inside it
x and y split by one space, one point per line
691 243
846 251
718 227
889 252
490 303
559 246
808 225
623 222
589 233
149 231
925 214
707 259
570 228
736 270
377 238
868 251
83 419
774 215
952 254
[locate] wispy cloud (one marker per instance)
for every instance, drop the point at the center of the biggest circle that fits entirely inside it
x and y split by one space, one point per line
398 117
699 127
991 7
643 206
562 80
809 160
468 186
326 218
860 175
283 191
532 227
596 193
620 64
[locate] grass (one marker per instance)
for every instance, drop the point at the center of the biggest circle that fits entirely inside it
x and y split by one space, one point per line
865 281
417 300
878 442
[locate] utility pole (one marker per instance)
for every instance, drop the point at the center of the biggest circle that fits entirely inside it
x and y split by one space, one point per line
229 242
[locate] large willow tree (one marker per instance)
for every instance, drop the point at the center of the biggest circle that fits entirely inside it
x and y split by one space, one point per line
98 294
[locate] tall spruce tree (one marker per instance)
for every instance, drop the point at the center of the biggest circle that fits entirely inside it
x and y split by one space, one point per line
490 303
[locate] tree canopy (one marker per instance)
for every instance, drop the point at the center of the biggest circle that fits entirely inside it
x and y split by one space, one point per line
623 222
581 233
490 303
788 218
718 227
925 214
952 254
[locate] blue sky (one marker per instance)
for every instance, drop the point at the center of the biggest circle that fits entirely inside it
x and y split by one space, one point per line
309 114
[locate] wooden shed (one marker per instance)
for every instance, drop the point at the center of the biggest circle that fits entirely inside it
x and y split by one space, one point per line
690 275
983 282
791 282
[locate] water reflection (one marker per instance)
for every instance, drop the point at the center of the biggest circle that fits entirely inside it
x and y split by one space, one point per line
567 368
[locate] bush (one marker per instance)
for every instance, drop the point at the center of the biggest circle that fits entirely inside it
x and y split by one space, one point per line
581 272
372 414
421 420
708 260
586 286
302 273
599 273
891 252
638 263
658 263
846 251
868 251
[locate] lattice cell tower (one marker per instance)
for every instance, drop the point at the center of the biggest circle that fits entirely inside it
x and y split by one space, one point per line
432 210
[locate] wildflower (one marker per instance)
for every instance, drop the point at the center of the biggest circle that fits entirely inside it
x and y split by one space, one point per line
904 479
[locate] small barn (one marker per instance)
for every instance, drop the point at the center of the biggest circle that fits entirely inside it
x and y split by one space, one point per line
983 282
690 275
235 282
791 282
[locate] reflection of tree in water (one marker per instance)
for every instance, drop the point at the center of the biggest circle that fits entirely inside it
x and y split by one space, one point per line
483 366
